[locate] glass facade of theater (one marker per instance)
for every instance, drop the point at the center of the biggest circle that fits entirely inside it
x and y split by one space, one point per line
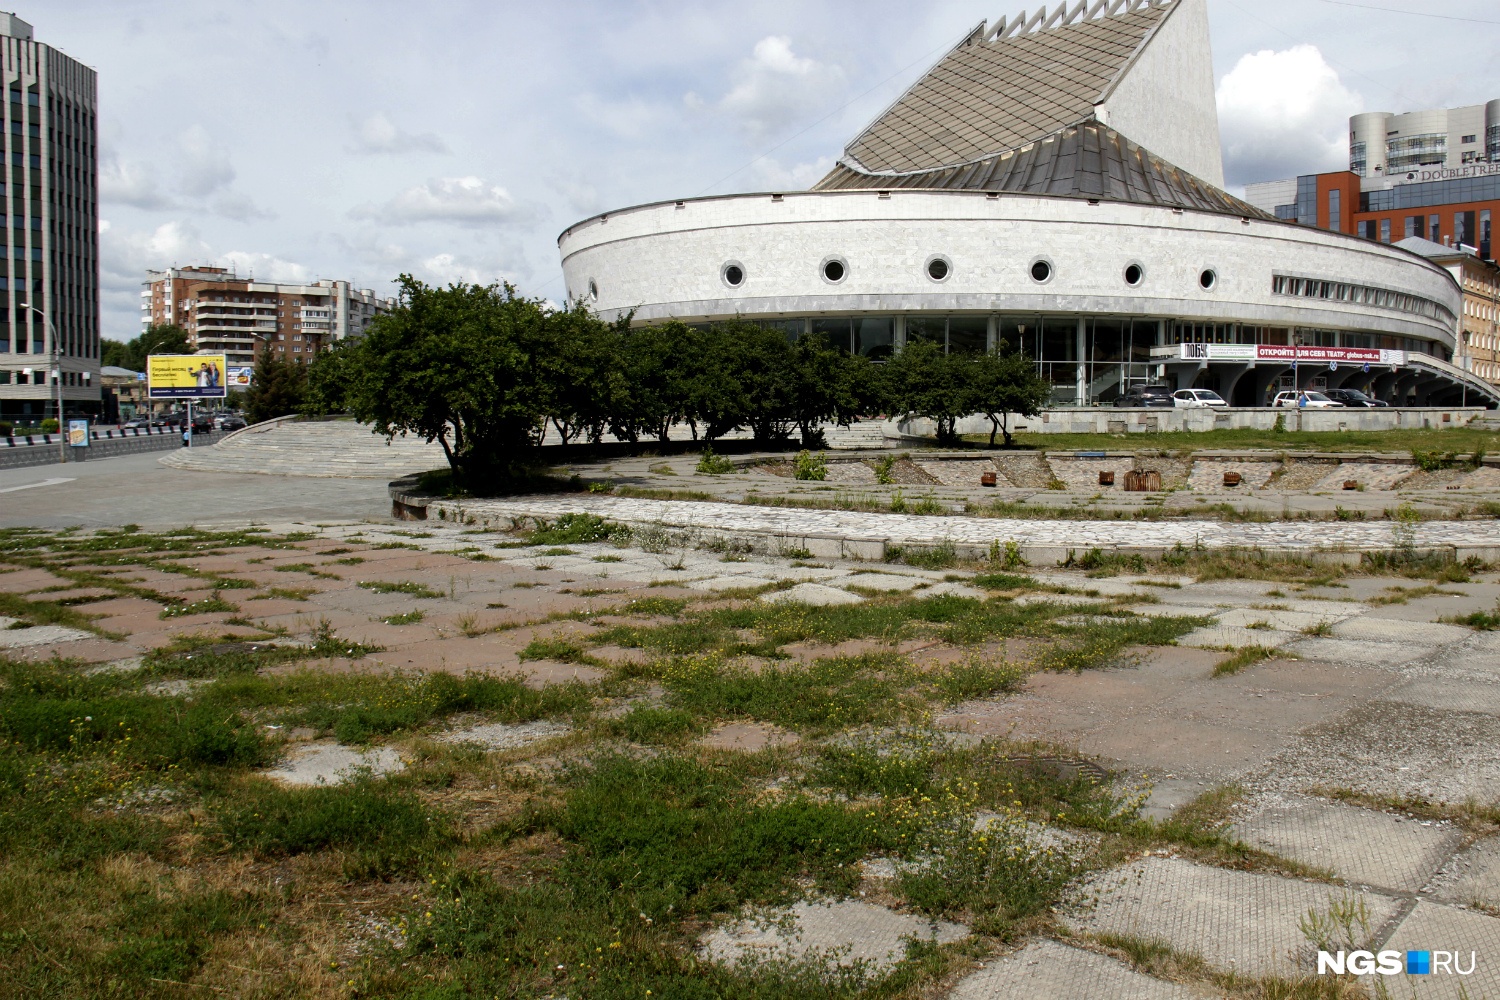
1089 360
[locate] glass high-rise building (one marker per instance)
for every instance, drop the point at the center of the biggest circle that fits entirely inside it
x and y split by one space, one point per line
49 312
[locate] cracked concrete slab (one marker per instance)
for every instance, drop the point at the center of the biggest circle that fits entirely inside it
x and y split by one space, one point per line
815 594
1236 921
1361 846
1355 651
846 932
1050 970
1471 877
333 764
39 635
1235 637
500 736
1434 927
1378 628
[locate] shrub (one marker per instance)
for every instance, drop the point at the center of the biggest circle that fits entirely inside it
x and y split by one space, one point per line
808 465
710 464
578 529
49 426
6 428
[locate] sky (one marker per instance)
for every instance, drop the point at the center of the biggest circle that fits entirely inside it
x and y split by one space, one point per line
455 139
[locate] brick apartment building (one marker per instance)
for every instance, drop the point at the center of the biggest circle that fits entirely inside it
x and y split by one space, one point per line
239 317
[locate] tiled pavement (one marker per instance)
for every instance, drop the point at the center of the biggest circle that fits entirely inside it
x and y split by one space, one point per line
1379 700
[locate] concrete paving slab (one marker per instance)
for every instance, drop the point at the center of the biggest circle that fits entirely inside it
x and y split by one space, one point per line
40 635
1169 794
815 594
1050 970
1471 877
1236 921
845 932
885 582
1281 621
730 583
1434 927
1174 611
1358 652
1235 637
334 764
1376 627
500 736
1361 846
748 737
1060 600
1448 694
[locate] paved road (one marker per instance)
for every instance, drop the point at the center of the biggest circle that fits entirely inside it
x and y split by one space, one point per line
138 489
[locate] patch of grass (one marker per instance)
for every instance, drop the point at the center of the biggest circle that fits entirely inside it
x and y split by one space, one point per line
1481 818
1005 581
307 568
1241 658
608 559
1482 621
49 613
1103 644
410 618
383 826
940 556
1323 628
578 529
652 724
561 650
410 587
207 605
825 696
974 677
349 560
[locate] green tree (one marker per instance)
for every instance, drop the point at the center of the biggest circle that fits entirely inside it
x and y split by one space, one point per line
659 366
462 366
278 387
822 384
581 372
924 381
1002 383
162 338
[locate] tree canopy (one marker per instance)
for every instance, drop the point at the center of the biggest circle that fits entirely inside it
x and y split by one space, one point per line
485 371
162 338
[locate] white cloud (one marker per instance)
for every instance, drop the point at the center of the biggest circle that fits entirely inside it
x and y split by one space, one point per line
265 267
239 207
448 268
629 118
125 256
775 88
378 134
467 201
1282 114
767 174
122 182
205 164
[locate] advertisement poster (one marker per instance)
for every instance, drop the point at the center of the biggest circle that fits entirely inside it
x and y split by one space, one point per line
185 376
239 376
78 433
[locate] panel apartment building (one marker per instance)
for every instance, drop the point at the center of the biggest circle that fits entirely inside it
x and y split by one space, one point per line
1426 181
49 248
239 317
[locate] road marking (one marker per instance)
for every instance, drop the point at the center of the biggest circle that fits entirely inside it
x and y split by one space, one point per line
32 486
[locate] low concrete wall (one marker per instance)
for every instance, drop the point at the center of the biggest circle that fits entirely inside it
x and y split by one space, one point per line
43 448
1130 420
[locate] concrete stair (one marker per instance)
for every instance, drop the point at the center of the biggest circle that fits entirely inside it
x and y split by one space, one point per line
858 435
326 448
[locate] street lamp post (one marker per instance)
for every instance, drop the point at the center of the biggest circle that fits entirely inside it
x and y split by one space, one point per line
62 437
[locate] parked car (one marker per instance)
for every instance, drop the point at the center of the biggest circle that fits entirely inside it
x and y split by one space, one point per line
1353 397
230 423
1307 399
1196 399
139 423
1146 395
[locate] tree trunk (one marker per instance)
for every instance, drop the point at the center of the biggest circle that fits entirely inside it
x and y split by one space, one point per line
994 426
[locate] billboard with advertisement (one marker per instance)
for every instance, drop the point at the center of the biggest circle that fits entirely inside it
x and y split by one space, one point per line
239 376
78 433
1286 355
185 376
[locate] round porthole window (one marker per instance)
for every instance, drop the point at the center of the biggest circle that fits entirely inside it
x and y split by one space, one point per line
1134 274
1041 271
733 274
593 289
835 270
939 268
1208 279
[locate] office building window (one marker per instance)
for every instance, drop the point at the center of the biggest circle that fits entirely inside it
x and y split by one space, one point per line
1385 230
1463 228
1367 229
1484 234
1335 222
1435 227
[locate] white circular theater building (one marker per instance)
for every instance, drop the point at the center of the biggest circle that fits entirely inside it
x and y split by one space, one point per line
1079 219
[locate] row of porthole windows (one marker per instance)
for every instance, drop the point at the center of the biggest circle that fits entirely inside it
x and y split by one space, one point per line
939 269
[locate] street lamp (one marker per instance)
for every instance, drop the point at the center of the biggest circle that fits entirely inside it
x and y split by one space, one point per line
62 437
